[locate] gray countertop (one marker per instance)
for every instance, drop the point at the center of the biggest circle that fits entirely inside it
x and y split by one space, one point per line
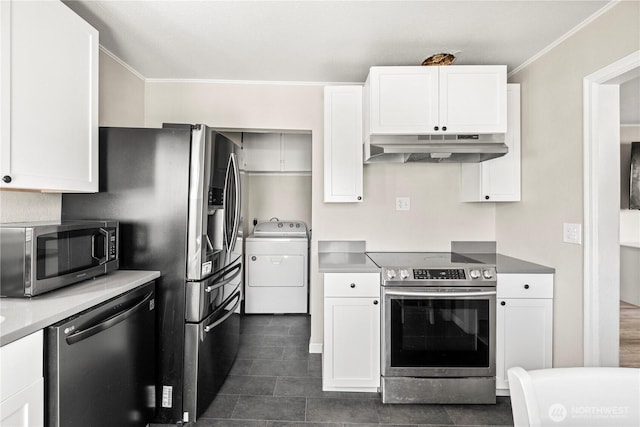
510 265
23 316
351 262
346 262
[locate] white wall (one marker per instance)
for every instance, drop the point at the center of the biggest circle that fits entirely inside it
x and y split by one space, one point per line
552 108
121 104
436 217
629 219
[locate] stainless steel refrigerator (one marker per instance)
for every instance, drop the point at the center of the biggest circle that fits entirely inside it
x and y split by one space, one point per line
176 193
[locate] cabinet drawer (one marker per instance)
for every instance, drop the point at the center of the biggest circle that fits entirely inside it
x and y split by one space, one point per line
352 285
21 364
525 286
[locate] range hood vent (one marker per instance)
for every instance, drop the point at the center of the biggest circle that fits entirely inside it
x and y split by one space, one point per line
434 148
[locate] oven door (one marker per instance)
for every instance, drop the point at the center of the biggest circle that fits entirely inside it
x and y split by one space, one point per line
438 332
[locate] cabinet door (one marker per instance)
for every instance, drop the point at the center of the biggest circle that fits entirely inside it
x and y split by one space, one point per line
403 100
351 354
296 152
262 152
49 84
25 408
343 144
524 336
473 99
497 180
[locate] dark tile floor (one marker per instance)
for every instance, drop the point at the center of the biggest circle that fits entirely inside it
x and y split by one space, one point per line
275 382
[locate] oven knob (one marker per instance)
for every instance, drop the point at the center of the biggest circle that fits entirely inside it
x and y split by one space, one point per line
404 274
475 274
487 274
391 274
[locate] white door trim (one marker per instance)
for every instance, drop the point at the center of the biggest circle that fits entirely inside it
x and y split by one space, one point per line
601 209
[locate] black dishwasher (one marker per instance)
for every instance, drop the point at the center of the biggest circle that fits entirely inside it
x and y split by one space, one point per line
100 366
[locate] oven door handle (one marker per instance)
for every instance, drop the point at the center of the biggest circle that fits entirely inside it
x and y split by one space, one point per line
440 294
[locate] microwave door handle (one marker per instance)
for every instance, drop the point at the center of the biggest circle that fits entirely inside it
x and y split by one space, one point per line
105 246
209 327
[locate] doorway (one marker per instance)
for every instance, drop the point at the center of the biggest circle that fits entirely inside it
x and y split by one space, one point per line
601 209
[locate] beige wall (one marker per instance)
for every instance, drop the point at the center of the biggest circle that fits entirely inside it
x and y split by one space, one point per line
287 197
552 164
436 216
121 104
121 94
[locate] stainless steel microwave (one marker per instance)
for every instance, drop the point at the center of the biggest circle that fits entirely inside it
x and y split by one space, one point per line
39 257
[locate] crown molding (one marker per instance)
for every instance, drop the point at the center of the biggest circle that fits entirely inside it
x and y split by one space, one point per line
564 37
121 62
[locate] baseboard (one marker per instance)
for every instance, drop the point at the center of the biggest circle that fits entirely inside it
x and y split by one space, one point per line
315 347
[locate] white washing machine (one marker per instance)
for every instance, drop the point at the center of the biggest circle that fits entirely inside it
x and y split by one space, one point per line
277 268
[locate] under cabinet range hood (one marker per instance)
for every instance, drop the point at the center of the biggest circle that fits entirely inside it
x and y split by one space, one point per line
434 148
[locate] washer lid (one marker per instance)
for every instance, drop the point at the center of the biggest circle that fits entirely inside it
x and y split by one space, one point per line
280 228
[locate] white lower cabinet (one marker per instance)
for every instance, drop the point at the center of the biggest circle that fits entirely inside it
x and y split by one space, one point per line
25 408
524 324
351 350
22 385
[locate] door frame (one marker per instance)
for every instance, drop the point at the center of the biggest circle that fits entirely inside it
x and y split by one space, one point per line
601 177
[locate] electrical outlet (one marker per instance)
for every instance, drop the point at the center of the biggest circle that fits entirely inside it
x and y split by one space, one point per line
572 233
403 203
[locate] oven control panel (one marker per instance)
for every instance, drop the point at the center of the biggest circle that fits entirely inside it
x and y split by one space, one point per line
439 274
417 276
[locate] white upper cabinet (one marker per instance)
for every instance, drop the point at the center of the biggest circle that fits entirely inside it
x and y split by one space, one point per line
277 152
296 152
343 144
436 100
497 180
49 92
403 99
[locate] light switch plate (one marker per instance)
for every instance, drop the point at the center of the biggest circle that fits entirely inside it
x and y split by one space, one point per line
572 233
403 203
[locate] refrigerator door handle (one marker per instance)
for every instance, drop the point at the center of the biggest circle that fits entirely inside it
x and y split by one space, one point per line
237 267
231 212
237 207
108 323
209 327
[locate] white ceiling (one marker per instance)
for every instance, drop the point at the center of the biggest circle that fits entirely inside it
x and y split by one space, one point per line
322 41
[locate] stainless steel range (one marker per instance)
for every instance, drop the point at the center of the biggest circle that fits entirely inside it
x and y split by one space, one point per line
438 328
